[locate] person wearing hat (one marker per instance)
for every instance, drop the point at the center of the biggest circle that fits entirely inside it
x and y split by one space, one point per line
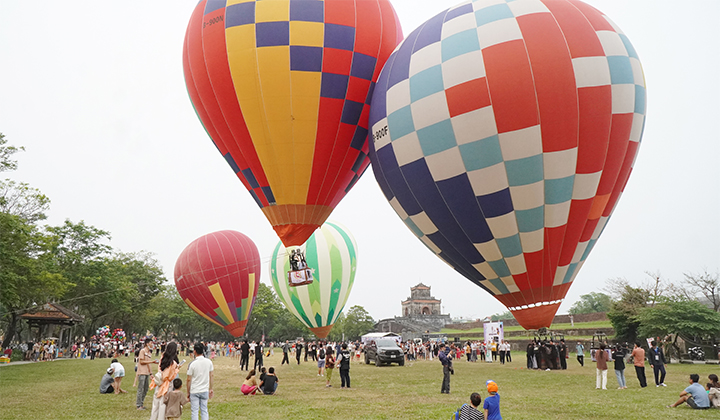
106 383
491 406
446 359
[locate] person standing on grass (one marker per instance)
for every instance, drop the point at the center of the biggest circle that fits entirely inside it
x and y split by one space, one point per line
343 359
601 357
618 356
321 361
244 355
580 349
259 349
298 352
694 395
199 383
657 361
638 355
286 350
143 373
174 400
563 354
329 365
446 361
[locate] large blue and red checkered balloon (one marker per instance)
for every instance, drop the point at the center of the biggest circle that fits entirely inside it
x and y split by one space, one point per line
283 88
503 133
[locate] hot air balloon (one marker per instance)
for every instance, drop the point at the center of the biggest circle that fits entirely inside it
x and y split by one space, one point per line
218 276
283 88
332 252
503 134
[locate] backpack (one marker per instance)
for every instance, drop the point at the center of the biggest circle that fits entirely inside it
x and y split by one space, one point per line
456 415
321 355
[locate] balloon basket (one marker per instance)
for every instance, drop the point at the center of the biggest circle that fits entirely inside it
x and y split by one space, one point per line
300 277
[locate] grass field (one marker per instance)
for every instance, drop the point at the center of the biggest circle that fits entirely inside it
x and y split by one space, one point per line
69 390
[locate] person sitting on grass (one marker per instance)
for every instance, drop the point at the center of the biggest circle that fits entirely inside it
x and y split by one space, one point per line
491 407
270 382
694 395
106 383
713 389
249 387
471 412
174 401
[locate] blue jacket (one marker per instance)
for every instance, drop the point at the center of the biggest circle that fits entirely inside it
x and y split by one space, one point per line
443 356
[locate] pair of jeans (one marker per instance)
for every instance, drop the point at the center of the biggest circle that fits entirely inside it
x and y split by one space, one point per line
659 372
142 389
198 402
620 375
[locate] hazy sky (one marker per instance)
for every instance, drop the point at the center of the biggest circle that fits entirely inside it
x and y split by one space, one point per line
95 92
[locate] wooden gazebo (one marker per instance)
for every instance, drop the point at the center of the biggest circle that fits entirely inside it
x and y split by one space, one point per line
51 314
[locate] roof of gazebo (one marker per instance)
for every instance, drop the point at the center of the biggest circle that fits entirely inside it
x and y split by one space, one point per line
51 313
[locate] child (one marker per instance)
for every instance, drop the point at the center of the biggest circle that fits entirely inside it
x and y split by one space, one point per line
249 387
491 408
329 365
175 400
471 412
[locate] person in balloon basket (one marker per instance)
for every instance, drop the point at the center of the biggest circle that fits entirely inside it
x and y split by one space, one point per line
199 383
445 357
343 360
491 406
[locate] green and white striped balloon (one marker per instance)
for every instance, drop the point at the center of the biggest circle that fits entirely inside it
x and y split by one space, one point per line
332 252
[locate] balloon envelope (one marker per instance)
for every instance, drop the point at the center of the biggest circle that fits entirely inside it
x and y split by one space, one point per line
283 88
332 252
218 276
503 134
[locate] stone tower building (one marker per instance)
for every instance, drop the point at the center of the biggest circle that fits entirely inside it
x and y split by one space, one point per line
421 302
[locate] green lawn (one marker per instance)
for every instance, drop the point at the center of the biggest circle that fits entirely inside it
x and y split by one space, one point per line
69 390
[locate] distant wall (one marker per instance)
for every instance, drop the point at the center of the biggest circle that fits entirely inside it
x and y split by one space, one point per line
559 319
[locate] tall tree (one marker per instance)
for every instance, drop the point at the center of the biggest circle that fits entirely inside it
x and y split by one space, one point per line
28 275
591 302
705 285
6 152
22 200
623 313
357 322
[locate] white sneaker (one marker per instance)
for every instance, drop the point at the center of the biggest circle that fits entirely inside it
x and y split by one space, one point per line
663 384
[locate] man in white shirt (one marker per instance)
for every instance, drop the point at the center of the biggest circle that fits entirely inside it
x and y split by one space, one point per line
200 383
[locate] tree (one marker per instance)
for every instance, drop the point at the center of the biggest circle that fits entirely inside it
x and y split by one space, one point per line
590 303
265 313
502 316
22 200
357 322
6 152
686 317
623 313
28 274
705 285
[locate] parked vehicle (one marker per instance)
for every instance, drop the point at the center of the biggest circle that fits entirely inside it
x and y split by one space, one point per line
384 351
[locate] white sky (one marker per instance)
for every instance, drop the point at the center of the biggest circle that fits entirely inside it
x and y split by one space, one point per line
94 90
